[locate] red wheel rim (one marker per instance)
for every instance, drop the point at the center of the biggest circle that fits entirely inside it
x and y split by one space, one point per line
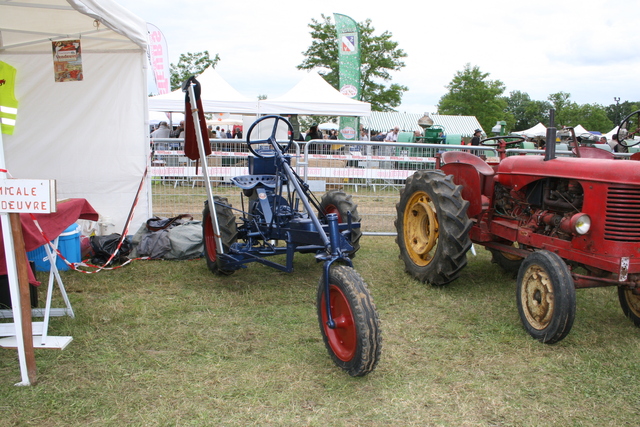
329 209
342 339
210 239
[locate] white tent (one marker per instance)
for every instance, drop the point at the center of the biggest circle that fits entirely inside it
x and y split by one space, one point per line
314 96
90 135
217 96
537 130
580 130
612 132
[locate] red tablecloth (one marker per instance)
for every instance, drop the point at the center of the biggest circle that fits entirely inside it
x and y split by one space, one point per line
53 224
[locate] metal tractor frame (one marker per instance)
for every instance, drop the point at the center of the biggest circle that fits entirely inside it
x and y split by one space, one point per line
283 217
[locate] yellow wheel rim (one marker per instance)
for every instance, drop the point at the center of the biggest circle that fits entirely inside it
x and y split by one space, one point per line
537 297
420 228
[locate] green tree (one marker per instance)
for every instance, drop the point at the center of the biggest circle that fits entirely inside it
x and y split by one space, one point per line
190 64
379 56
568 113
617 112
524 112
471 94
594 117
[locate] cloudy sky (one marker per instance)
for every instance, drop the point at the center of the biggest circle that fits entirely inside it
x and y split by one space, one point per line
588 48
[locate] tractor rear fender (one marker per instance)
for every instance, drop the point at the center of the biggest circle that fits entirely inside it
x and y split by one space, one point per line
471 181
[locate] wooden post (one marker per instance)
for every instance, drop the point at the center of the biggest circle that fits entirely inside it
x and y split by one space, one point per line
25 295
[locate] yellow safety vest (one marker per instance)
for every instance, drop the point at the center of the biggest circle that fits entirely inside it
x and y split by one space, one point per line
8 102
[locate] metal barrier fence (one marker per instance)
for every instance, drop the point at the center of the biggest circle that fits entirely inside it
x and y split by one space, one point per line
372 172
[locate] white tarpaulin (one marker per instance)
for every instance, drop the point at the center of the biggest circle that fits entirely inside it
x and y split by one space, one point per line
314 96
91 136
217 96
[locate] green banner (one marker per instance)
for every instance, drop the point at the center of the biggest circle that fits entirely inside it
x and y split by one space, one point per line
348 35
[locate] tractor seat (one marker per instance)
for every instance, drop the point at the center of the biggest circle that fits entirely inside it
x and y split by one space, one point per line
461 157
247 182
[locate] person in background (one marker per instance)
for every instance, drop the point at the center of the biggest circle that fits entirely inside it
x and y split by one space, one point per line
392 135
229 136
476 137
162 131
617 147
603 140
179 131
364 135
313 133
238 133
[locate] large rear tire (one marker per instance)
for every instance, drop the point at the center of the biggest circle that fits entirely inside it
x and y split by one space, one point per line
355 343
228 233
630 304
338 202
546 297
433 227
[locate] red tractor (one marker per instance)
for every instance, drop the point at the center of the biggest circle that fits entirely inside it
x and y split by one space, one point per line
560 222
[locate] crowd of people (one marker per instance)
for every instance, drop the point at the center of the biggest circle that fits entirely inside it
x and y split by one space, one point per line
163 130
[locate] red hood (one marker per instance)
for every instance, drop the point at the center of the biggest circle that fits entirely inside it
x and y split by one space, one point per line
530 168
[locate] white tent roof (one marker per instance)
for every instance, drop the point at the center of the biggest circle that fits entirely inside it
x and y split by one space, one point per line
537 130
612 132
156 117
90 135
217 96
314 96
580 130
28 25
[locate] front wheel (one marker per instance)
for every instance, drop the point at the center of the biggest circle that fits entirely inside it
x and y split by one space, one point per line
630 304
355 342
228 233
546 297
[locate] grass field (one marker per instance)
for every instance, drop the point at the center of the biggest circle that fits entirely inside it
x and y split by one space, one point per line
165 343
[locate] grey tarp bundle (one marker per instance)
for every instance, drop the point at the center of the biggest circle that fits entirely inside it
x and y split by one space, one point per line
181 241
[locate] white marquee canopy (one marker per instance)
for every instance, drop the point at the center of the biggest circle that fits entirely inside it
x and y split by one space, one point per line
314 96
89 135
217 96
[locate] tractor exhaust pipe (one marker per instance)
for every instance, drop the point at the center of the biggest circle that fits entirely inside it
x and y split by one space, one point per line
550 145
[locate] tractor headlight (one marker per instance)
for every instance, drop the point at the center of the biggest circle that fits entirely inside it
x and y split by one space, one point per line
581 223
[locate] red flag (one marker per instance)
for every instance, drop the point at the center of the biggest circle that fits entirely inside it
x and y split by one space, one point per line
190 141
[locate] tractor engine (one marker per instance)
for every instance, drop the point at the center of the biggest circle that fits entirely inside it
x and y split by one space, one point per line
546 206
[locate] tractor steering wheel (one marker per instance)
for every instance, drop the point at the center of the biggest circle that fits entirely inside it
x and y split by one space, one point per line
271 140
518 139
629 127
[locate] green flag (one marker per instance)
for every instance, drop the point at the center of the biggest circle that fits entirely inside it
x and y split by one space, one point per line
348 35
